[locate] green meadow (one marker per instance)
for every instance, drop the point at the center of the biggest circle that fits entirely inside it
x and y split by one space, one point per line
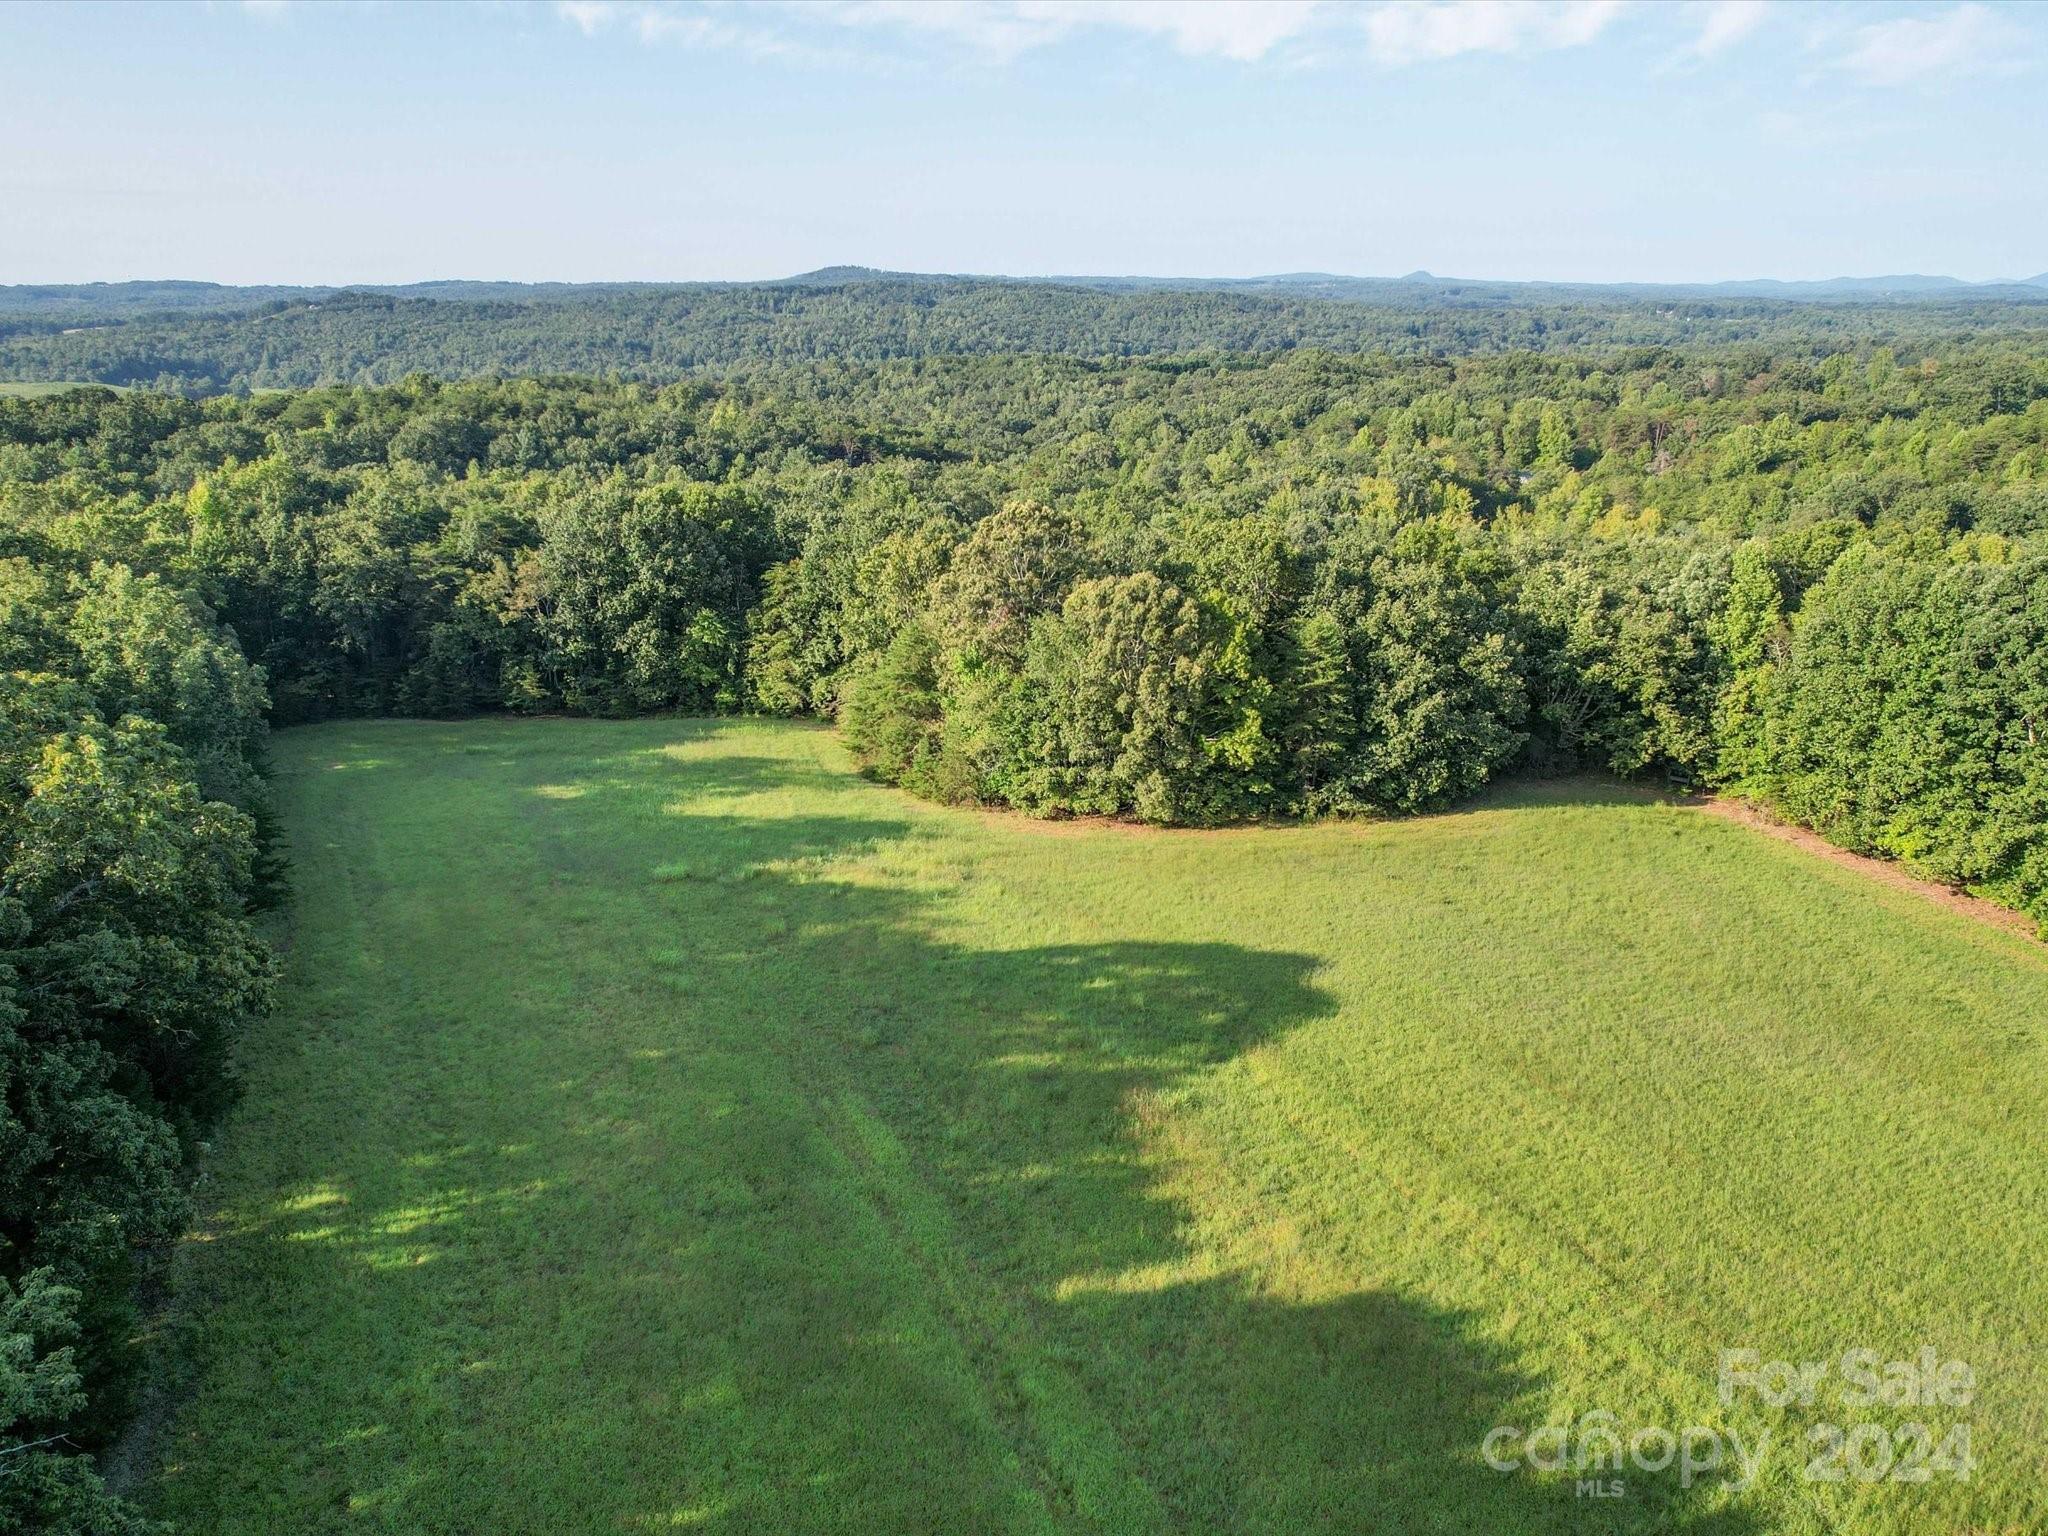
17 390
664 1128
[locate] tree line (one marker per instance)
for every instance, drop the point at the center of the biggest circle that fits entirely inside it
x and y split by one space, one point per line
132 850
203 342
1182 590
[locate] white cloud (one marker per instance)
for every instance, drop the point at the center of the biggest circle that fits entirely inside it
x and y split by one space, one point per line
1441 29
1724 23
668 23
1001 31
1401 32
589 16
656 25
1243 31
1964 39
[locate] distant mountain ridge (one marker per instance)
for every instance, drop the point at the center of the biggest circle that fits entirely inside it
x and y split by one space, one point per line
181 296
1333 284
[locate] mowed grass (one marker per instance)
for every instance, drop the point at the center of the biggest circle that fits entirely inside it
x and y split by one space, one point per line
666 1129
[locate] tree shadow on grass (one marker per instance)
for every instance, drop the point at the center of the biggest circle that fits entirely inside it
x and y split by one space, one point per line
1592 790
774 1210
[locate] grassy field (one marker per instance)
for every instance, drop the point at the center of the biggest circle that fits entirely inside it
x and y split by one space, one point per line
666 1129
35 390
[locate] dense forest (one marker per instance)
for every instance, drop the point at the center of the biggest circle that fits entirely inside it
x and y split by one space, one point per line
1187 590
198 339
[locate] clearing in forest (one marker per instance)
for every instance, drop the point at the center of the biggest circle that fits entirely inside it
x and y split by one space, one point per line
664 1128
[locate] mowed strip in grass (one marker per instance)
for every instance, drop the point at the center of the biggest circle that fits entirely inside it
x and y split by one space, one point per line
666 1129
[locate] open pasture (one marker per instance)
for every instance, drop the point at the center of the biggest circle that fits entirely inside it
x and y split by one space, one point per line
665 1128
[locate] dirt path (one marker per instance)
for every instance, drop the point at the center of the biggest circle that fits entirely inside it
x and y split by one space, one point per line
1882 870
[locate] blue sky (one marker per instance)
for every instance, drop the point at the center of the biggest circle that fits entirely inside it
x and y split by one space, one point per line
614 139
